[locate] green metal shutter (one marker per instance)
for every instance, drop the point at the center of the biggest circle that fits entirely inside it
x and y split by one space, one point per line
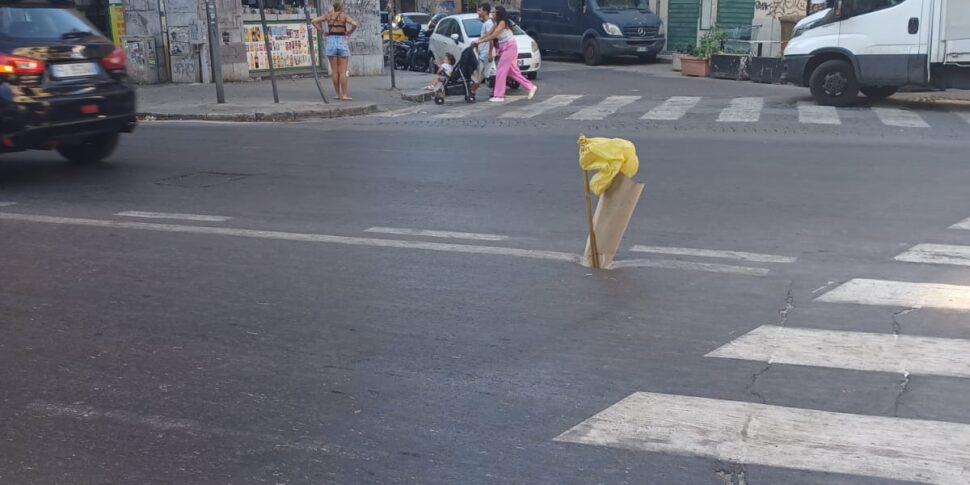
682 16
734 13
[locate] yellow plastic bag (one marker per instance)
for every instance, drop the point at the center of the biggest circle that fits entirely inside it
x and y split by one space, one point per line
608 157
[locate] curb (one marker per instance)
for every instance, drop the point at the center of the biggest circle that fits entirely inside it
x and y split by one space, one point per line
417 96
255 116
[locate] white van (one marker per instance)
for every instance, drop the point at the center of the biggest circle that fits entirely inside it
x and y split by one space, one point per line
878 46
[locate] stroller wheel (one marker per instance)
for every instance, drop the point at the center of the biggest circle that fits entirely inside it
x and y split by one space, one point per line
439 100
470 98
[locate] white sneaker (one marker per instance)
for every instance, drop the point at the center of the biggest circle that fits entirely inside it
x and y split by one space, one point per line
496 100
532 92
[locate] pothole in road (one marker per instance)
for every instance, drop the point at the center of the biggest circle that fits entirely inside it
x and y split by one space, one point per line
202 179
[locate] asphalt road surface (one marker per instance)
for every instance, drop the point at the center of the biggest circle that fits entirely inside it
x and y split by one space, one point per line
397 299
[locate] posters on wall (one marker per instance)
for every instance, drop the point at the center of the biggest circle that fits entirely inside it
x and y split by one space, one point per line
116 20
291 49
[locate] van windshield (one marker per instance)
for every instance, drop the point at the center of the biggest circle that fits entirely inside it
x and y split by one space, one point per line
623 4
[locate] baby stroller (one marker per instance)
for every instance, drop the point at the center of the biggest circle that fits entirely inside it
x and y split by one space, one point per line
460 80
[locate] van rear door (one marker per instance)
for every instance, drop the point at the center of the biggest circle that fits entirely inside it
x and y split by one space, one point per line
956 32
884 36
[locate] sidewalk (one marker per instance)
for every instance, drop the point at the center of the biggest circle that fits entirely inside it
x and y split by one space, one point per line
299 98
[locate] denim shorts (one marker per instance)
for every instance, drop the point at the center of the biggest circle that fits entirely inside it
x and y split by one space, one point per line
337 46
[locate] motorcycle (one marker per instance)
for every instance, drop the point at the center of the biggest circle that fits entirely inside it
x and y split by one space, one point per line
419 55
401 49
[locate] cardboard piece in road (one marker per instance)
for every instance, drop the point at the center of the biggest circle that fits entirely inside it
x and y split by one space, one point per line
613 214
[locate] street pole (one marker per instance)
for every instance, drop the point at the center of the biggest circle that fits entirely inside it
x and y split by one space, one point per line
313 55
269 50
319 8
215 54
390 40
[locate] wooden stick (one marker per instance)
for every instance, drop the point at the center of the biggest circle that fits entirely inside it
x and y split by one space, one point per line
594 252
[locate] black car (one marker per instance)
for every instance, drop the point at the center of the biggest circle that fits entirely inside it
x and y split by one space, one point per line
63 85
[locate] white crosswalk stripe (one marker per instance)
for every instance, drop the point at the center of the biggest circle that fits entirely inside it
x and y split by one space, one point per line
904 354
962 225
964 114
481 105
402 112
900 117
742 110
605 108
937 254
536 109
672 109
814 114
803 439
900 294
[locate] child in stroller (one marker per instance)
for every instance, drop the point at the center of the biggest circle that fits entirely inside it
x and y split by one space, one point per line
460 79
442 73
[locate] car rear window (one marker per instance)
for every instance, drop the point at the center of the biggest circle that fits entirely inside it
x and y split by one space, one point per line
43 23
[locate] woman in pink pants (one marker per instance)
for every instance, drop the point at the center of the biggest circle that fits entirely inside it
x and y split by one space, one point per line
508 54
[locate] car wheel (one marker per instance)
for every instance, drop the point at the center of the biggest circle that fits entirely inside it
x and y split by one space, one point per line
591 53
513 85
878 92
532 76
91 150
833 83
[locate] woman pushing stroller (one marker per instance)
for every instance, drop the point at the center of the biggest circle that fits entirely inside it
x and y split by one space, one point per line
507 56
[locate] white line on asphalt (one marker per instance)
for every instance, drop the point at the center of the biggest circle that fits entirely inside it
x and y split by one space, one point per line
937 254
742 110
672 109
689 266
191 426
962 225
818 115
900 294
481 105
605 108
851 350
441 234
900 117
803 439
293 236
963 114
714 253
7 204
167 215
536 109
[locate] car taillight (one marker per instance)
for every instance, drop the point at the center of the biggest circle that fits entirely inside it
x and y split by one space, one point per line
115 60
20 65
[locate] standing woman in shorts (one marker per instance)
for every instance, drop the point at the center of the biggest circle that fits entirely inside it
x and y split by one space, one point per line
338 49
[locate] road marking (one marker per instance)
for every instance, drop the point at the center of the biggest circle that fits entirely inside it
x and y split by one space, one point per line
962 225
441 234
293 236
818 115
742 110
401 112
7 204
190 426
963 114
937 254
167 215
536 109
900 294
900 117
482 105
803 439
689 266
605 108
714 253
672 109
851 350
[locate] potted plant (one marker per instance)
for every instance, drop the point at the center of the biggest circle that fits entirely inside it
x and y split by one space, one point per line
697 62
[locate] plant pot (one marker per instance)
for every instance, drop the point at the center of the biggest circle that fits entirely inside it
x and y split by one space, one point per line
676 61
765 70
694 66
729 66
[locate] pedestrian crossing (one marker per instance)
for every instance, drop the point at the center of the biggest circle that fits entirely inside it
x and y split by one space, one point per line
881 447
632 109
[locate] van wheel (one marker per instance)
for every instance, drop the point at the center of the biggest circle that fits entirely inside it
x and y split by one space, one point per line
591 53
879 92
833 83
91 150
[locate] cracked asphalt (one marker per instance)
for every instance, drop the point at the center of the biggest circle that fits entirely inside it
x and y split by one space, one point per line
179 355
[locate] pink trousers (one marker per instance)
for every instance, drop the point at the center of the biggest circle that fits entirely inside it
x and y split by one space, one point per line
508 66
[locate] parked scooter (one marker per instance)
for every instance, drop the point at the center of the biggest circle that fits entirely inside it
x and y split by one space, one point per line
419 56
401 49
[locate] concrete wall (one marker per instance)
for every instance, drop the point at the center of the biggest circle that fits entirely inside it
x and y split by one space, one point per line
143 42
769 14
235 67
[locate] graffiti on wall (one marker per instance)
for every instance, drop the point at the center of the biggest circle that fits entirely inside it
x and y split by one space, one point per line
781 8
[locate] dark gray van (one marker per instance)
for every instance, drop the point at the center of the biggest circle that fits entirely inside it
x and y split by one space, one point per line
594 28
